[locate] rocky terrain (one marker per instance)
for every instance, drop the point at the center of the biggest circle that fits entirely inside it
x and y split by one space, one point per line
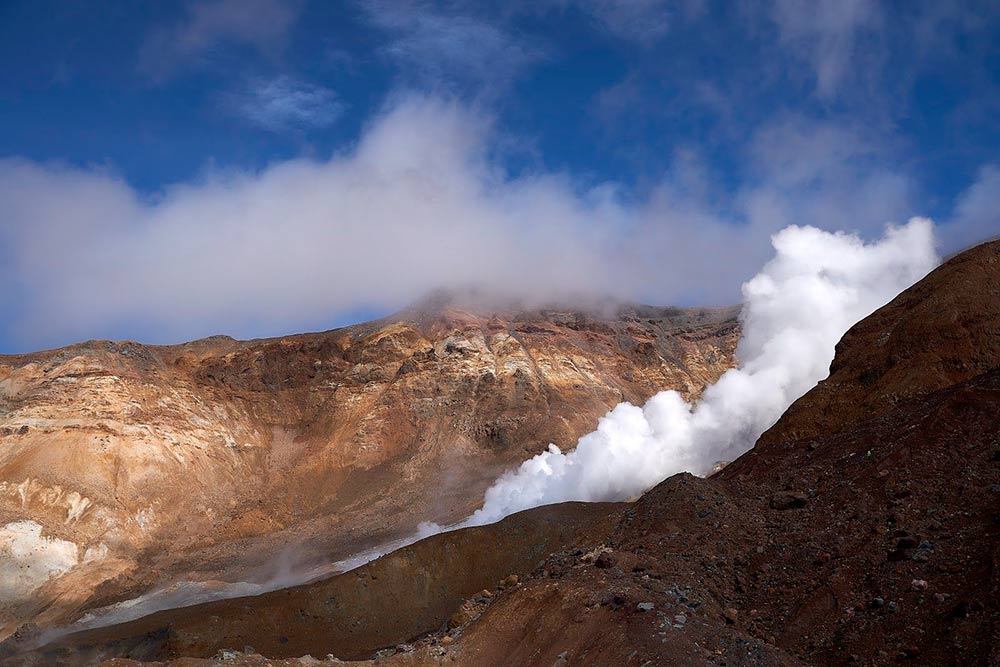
127 468
863 529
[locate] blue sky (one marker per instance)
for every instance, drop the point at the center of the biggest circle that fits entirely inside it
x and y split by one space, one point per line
258 167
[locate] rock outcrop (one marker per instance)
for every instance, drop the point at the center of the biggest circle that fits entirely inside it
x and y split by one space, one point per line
127 467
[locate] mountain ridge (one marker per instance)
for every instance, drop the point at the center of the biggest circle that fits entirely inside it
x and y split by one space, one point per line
205 460
870 543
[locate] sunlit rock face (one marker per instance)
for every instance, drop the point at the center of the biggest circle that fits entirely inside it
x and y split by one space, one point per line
125 467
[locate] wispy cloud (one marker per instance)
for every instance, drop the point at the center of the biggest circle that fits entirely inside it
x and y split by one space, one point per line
640 21
284 103
795 150
828 35
472 44
262 24
977 211
454 47
619 99
826 173
419 203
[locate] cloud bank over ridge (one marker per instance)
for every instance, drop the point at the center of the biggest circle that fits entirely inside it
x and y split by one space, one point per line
421 201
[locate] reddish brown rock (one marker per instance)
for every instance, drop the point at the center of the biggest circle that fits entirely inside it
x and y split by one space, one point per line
215 460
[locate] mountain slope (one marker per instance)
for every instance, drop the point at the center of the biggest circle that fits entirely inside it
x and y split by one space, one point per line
943 330
870 539
125 467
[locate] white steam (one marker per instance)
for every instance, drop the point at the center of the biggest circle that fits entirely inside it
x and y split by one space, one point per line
795 311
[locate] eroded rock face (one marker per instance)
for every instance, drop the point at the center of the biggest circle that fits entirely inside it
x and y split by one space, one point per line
202 461
872 540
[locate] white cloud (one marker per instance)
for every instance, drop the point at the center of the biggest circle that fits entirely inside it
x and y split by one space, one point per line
263 24
827 34
828 174
415 205
640 21
977 212
284 103
798 151
643 21
449 47
418 202
616 101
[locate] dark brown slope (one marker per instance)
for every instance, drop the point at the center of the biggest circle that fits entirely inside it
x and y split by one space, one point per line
205 461
410 592
833 556
902 509
943 330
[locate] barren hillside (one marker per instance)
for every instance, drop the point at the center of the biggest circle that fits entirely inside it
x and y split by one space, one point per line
126 467
861 530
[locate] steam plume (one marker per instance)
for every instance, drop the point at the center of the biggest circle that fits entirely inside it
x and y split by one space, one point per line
795 311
